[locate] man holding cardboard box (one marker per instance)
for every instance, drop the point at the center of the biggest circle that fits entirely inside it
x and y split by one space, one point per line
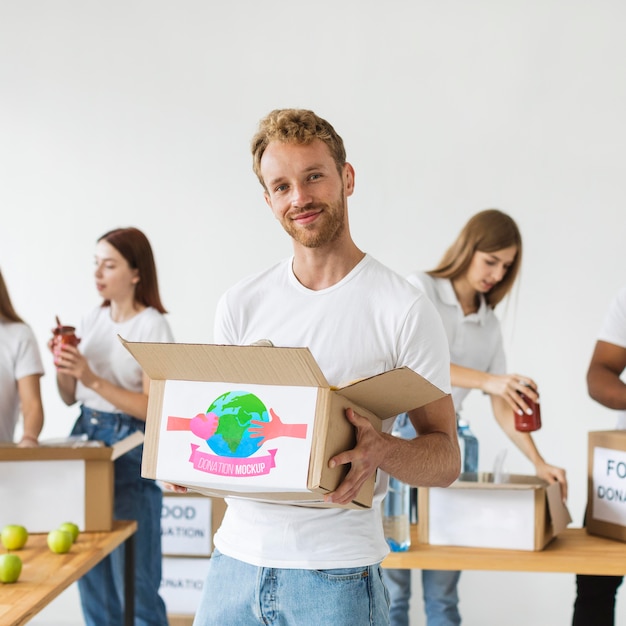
285 563
595 600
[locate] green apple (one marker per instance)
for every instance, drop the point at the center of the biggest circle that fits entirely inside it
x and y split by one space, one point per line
10 568
13 536
71 528
59 541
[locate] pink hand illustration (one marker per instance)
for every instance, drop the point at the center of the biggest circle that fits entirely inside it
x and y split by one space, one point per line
275 428
204 425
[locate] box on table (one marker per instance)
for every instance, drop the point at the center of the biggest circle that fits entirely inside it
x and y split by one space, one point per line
188 523
45 486
182 580
606 498
174 619
272 423
524 513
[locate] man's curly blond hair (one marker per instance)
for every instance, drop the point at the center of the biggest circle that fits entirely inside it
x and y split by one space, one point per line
295 126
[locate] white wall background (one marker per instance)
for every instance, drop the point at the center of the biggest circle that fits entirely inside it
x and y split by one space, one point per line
140 112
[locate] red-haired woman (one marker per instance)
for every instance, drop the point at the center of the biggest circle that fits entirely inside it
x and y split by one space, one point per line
112 390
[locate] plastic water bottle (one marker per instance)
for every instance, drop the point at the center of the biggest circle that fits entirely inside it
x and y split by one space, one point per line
469 447
396 510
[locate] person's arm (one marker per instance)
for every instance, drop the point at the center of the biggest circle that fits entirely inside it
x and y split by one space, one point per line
432 459
29 392
507 386
603 376
526 445
66 385
72 364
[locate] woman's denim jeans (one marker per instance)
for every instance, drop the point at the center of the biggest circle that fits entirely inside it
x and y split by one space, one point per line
102 588
238 594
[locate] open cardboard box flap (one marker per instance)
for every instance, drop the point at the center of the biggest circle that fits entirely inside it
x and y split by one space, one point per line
376 398
259 365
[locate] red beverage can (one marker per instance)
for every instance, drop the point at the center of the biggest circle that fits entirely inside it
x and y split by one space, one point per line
528 422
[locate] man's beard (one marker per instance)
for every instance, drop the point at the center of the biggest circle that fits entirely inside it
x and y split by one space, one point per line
327 228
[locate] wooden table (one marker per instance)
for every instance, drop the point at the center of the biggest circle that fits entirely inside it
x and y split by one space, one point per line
45 574
572 551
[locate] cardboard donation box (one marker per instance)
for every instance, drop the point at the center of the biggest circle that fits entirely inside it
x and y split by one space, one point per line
524 513
259 422
182 580
188 523
179 620
606 501
46 486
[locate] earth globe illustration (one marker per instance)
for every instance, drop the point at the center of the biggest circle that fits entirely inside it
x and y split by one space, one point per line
235 410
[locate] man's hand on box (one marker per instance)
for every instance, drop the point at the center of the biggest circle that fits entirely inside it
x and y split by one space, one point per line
363 459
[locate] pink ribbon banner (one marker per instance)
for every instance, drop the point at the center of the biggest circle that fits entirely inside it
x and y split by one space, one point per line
224 466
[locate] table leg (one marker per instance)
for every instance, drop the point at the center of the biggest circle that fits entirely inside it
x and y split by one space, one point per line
129 581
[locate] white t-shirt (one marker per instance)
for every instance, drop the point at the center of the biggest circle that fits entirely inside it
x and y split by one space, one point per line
370 322
106 355
613 331
475 340
19 357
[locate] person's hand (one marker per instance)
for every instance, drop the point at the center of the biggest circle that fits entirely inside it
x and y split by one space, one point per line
509 387
552 474
72 362
363 459
175 488
28 442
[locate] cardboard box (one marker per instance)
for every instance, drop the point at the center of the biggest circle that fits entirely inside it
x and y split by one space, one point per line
188 523
524 513
49 485
606 498
182 581
303 423
180 620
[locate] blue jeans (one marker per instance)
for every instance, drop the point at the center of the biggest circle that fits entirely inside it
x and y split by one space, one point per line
239 594
439 590
439 587
136 498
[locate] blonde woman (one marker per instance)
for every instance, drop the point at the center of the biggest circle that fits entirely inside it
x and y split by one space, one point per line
477 271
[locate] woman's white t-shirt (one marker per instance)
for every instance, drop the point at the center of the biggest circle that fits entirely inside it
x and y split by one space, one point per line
475 340
108 358
19 357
